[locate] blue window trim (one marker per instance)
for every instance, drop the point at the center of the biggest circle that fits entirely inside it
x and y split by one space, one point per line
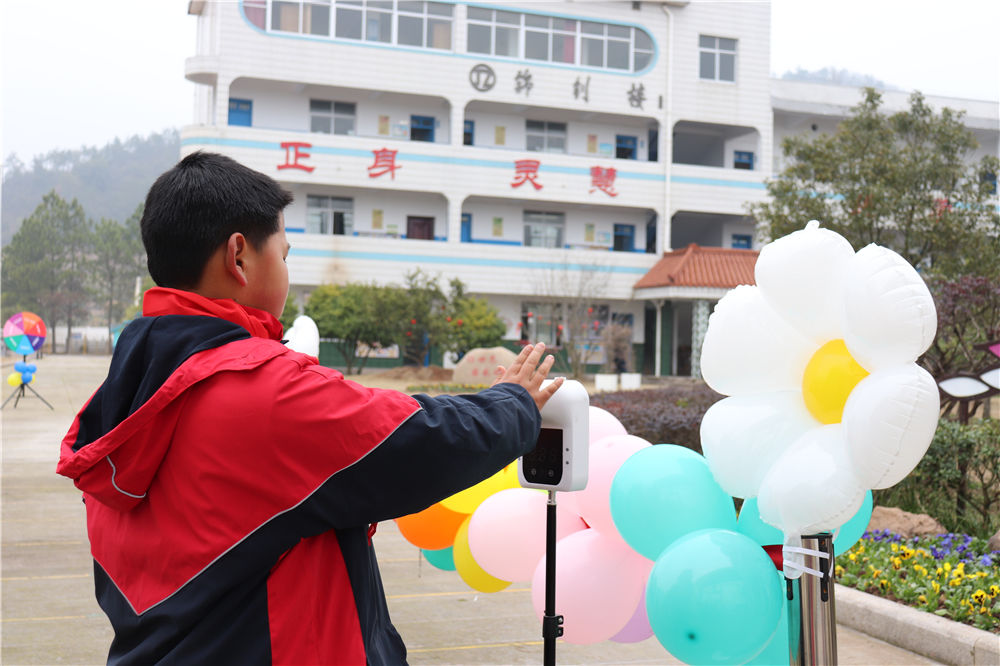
626 141
625 231
742 241
469 127
466 236
480 56
424 123
743 156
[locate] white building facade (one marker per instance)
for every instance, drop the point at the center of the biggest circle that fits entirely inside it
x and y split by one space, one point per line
514 146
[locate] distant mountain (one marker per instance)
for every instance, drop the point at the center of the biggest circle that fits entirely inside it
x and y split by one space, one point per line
108 182
840 77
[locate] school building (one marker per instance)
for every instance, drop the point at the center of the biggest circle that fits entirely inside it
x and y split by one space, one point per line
536 150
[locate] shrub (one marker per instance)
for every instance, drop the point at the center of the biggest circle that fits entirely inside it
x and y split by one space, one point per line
958 480
669 415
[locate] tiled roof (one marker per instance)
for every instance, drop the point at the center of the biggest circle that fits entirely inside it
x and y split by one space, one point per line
697 266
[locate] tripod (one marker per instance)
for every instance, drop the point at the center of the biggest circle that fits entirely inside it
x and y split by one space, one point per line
19 393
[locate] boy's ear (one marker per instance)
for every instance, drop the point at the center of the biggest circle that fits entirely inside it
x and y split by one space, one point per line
236 251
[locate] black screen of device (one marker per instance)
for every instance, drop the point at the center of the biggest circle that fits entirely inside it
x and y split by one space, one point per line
544 464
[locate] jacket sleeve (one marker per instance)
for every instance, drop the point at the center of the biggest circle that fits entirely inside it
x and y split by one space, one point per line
450 443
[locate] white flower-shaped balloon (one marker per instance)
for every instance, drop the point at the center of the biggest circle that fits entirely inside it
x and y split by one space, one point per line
826 400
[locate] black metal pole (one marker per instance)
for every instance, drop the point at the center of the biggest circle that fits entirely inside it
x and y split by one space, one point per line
551 623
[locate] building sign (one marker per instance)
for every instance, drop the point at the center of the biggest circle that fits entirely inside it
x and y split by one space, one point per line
482 77
525 171
295 151
636 95
385 163
603 179
523 82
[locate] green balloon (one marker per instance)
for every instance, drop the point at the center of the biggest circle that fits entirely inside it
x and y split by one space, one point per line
441 559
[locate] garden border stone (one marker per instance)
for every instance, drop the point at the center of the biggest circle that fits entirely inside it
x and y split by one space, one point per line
915 630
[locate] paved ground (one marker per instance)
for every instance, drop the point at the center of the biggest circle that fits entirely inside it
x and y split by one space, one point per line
49 615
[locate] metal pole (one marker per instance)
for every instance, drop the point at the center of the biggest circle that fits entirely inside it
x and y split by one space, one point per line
812 616
551 623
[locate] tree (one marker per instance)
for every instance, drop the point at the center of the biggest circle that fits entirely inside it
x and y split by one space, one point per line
471 322
353 317
574 293
118 259
44 266
421 317
905 181
289 313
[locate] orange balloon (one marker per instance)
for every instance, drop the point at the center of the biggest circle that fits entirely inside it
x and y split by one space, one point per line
434 528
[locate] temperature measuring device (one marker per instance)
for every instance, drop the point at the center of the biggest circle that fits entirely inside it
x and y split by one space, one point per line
559 459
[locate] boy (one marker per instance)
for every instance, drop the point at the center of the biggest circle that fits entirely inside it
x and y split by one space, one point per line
232 485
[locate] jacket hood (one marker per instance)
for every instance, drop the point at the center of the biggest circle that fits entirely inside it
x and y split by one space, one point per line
118 440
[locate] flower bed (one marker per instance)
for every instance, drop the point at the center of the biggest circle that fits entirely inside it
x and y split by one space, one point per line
952 575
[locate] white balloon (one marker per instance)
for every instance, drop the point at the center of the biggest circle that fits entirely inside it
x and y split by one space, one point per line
748 348
889 315
812 486
303 336
742 436
801 276
889 421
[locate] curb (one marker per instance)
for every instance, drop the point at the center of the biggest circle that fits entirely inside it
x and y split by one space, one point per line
918 631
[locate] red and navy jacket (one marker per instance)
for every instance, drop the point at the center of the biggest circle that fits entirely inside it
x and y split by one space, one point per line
230 485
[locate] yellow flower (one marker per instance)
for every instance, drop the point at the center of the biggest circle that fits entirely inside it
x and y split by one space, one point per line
896 563
981 574
922 599
919 569
979 596
883 583
947 566
955 582
838 571
984 610
907 553
852 557
960 567
921 551
994 590
895 547
860 548
939 571
936 586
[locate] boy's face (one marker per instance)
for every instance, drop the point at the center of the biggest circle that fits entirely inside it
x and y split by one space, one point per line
267 286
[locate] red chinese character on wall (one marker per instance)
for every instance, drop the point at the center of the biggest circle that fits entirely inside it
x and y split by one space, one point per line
294 151
603 179
524 171
385 163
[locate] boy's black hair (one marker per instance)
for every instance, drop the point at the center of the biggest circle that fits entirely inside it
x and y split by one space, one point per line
196 206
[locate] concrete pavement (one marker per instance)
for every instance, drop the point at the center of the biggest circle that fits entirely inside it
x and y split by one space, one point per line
49 615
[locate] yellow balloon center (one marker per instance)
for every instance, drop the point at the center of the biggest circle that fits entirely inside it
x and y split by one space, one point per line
830 376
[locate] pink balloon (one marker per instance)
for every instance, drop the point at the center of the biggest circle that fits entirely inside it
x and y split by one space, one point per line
599 583
606 456
507 532
603 424
638 628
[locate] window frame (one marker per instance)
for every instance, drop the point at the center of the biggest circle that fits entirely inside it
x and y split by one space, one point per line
544 220
249 112
547 134
717 51
328 207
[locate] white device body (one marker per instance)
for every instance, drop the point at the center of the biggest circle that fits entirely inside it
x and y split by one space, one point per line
566 419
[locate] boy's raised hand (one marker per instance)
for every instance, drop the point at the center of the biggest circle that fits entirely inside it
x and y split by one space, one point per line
529 373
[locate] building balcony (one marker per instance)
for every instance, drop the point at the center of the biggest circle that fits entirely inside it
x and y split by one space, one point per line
485 269
385 162
202 69
715 189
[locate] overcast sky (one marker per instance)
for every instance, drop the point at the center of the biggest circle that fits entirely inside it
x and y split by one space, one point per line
77 72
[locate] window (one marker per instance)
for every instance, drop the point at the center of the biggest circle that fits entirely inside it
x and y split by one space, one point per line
256 12
743 159
329 117
624 238
557 39
494 32
311 17
542 322
543 229
742 241
329 215
654 145
468 133
546 137
625 147
240 112
717 58
349 19
378 21
425 24
422 128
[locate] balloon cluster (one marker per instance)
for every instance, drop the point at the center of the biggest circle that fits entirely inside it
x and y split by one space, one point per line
24 373
651 546
826 400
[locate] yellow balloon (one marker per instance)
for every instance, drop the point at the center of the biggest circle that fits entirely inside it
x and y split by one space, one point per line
830 376
14 379
468 500
472 573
